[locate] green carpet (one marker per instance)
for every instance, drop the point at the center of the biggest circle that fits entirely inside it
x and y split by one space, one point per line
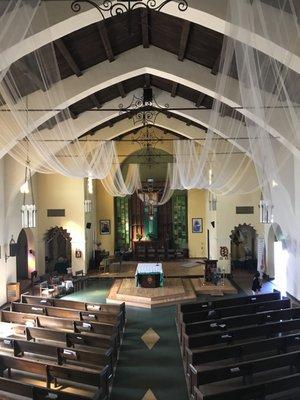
139 368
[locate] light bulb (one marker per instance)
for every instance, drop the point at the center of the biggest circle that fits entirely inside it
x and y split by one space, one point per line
25 187
90 185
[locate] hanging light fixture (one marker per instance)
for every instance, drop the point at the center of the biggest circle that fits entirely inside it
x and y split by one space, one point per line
265 211
109 8
28 211
87 206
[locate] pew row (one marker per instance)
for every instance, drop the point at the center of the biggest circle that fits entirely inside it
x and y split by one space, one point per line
260 390
76 305
42 321
87 316
235 335
224 324
34 392
59 355
54 374
212 305
246 370
231 312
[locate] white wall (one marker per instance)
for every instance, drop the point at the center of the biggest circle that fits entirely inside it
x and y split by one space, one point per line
57 191
227 219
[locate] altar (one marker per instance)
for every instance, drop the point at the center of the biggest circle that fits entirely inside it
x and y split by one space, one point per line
149 275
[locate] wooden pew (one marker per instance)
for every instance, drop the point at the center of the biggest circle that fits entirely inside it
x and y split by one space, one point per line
67 313
77 305
241 320
239 334
39 393
60 355
246 392
211 305
246 369
232 311
70 339
251 349
53 373
58 323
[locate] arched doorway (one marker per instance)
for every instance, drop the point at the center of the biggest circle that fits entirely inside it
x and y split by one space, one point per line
243 248
22 256
57 249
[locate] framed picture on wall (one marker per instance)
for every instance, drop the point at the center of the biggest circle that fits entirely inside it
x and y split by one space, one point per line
197 225
104 227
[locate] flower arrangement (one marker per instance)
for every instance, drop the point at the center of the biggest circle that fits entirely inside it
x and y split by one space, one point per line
139 236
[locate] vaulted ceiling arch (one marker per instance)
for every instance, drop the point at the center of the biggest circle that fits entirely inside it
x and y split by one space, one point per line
211 15
157 62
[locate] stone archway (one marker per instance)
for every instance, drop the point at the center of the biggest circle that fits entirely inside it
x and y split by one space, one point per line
243 247
57 248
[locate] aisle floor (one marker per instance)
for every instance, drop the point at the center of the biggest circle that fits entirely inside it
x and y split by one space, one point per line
144 372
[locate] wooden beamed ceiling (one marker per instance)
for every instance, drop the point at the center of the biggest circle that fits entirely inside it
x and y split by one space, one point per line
105 40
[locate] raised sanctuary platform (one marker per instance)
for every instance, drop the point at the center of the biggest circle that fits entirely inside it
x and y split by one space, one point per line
175 290
202 287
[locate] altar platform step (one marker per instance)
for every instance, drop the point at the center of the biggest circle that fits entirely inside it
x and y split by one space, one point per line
202 287
175 290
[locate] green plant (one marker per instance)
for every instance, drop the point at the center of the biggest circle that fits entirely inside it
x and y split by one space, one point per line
139 236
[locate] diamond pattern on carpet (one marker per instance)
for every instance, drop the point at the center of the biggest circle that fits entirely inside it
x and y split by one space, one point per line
149 395
150 338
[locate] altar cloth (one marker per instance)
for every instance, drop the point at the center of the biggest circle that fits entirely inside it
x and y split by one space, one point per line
149 269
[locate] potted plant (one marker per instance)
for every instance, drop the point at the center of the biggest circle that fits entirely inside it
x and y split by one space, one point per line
139 236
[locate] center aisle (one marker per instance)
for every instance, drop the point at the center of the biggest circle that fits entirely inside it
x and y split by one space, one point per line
150 364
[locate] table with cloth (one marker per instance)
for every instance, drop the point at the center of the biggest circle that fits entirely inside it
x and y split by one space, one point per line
149 275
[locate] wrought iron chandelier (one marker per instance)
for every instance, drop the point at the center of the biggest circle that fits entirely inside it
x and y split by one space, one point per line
110 8
147 138
144 110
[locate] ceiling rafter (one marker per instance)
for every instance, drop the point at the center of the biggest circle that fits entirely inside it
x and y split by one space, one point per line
121 89
145 27
147 80
65 52
95 101
216 66
174 89
105 40
200 100
28 71
186 26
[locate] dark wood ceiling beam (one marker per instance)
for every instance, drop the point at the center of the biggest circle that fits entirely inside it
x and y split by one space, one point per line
216 66
200 100
174 89
145 27
68 57
147 80
29 72
95 101
121 89
106 41
73 114
184 39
